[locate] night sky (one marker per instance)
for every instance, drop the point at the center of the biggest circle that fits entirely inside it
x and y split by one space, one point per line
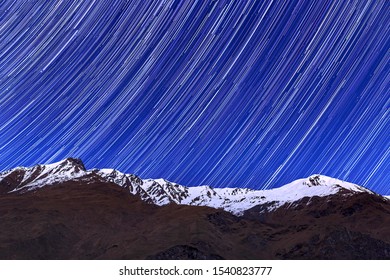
226 93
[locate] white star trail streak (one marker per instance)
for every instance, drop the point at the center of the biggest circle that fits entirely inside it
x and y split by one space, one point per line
226 93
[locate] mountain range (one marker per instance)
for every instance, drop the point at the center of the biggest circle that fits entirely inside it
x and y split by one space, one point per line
64 211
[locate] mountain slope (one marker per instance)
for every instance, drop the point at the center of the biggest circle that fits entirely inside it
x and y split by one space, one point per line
99 220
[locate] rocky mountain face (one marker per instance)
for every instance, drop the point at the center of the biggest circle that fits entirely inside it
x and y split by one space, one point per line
63 211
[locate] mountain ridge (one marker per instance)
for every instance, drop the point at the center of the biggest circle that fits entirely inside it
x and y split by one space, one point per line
162 192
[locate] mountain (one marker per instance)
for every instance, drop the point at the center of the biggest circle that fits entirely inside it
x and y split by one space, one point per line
26 179
63 211
162 192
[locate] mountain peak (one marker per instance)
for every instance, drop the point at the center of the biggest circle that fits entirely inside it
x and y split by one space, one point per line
161 181
75 161
29 178
66 164
323 180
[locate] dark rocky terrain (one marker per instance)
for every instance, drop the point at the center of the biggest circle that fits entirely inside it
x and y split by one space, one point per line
99 220
63 211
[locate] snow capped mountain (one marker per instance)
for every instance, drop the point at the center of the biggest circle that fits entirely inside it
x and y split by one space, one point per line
237 200
162 192
22 178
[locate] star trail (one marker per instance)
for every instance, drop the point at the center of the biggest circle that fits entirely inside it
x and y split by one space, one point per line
225 93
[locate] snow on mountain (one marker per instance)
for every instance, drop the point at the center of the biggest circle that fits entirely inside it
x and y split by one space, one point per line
129 181
43 175
162 192
237 200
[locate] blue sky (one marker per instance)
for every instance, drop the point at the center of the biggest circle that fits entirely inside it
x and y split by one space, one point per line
225 93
